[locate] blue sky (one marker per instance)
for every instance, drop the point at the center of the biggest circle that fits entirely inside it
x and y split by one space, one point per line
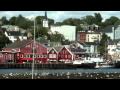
60 15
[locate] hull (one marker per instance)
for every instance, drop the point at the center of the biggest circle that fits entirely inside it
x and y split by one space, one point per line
47 66
85 65
117 64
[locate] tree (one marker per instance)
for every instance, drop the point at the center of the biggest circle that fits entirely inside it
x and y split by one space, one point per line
22 22
72 21
98 18
111 21
101 47
4 20
3 40
89 19
117 22
13 20
57 37
51 21
58 23
40 32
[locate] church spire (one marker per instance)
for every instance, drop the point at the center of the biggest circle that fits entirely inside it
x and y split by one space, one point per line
46 15
45 20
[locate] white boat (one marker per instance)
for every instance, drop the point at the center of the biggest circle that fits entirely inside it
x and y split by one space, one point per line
78 62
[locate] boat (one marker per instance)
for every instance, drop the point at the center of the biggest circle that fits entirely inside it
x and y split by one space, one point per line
117 63
84 63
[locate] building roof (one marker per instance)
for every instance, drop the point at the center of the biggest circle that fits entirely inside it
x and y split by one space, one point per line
77 50
19 44
16 33
112 42
108 29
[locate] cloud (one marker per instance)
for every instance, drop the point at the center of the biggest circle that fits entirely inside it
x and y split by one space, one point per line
59 15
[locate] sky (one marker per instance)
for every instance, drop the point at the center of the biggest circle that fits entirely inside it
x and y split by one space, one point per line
59 16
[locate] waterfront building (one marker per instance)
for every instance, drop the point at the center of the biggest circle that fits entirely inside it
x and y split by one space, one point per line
22 51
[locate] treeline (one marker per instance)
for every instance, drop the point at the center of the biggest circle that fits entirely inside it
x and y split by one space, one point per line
24 22
91 19
97 18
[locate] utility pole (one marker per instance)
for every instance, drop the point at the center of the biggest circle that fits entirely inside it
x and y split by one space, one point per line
33 52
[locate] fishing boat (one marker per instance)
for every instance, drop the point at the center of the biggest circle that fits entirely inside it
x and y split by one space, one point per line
84 63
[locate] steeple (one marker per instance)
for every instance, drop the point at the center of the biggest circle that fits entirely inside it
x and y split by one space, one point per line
45 21
46 15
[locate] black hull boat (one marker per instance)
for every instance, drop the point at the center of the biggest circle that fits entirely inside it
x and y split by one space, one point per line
48 66
117 64
82 64
85 65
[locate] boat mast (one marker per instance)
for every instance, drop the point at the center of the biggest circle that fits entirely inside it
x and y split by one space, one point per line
33 52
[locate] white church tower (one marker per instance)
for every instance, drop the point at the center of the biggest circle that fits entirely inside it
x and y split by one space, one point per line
45 21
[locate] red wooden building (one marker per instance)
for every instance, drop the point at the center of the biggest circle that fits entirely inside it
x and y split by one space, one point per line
65 55
22 51
52 55
81 36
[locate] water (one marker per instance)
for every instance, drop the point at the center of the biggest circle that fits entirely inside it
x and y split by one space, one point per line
101 70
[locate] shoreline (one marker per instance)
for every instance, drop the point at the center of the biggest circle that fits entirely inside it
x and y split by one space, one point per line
61 76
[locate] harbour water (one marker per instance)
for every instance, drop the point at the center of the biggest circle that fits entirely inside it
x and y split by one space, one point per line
100 70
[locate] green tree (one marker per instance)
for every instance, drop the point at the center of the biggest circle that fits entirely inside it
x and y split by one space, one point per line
3 40
89 19
111 21
98 18
57 37
72 21
40 32
4 20
103 43
12 20
117 22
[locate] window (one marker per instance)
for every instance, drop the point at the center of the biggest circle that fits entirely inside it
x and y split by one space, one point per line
69 56
21 56
31 56
65 56
45 56
41 56
26 56
50 56
62 56
34 56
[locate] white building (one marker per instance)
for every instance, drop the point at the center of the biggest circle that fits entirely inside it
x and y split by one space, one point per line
92 36
68 31
114 50
14 35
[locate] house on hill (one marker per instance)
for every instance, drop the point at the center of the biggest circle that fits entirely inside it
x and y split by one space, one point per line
15 35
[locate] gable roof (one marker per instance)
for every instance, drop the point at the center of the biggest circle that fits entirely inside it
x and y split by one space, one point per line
53 49
19 44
